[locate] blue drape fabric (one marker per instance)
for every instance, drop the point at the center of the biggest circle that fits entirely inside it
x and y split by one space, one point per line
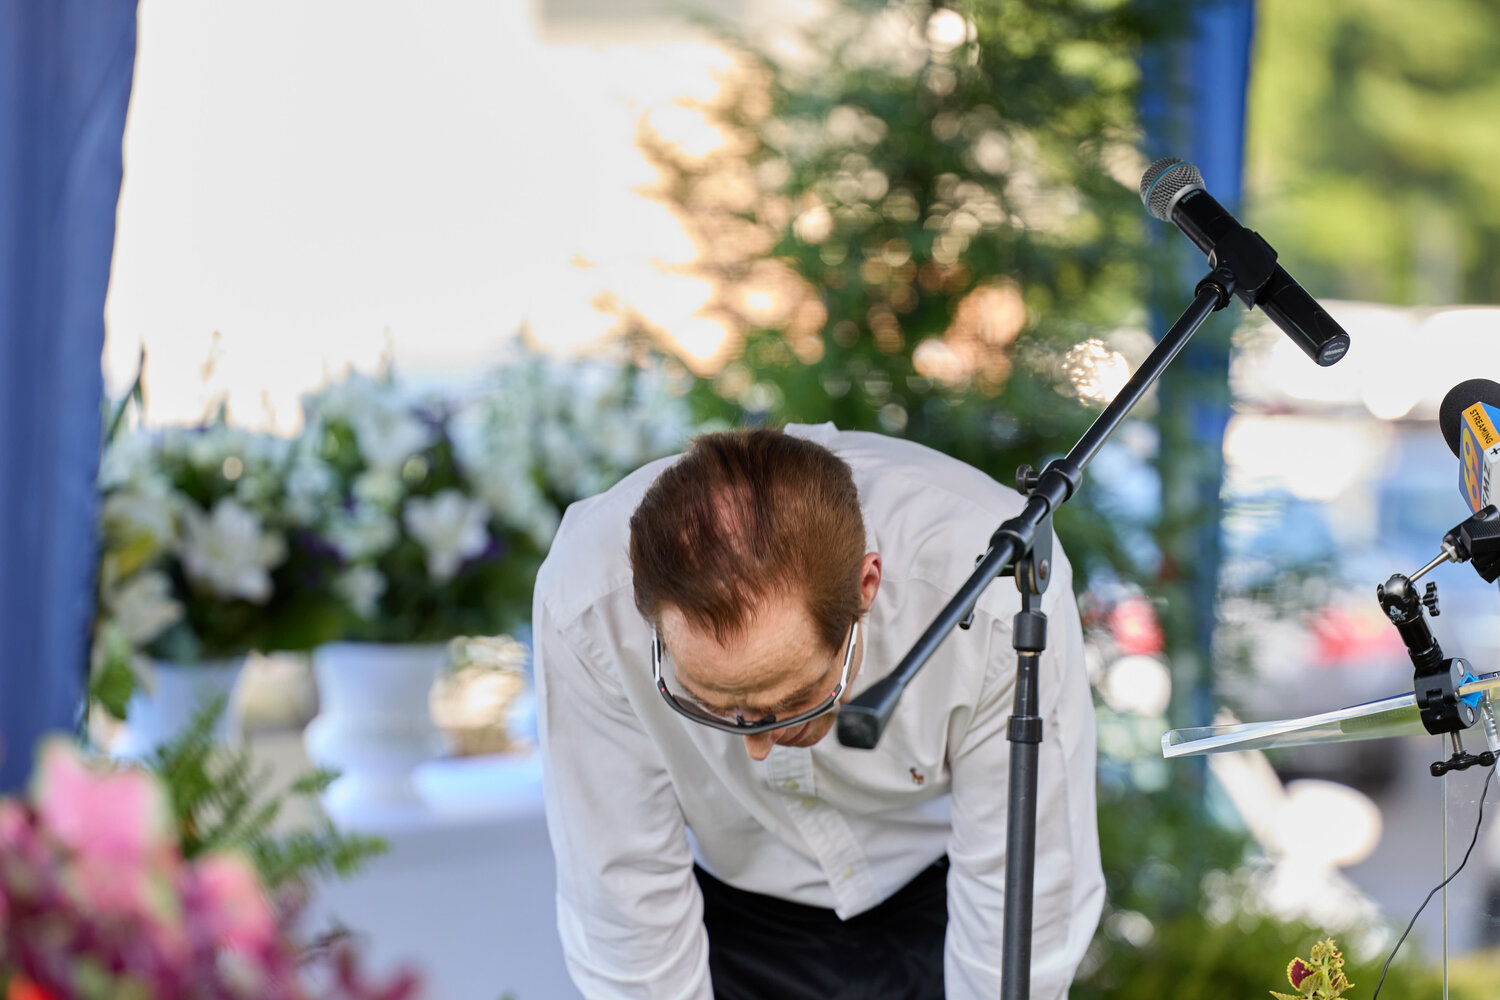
65 77
1193 106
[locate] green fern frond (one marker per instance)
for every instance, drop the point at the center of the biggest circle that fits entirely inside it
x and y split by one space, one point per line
314 782
221 801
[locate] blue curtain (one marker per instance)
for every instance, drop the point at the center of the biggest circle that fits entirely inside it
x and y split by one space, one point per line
1193 107
65 75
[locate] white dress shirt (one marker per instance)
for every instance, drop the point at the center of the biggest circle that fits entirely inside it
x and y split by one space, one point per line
635 792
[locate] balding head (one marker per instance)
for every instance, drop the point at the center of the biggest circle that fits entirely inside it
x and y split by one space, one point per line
745 517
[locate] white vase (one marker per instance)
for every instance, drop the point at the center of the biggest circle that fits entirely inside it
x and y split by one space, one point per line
374 725
165 702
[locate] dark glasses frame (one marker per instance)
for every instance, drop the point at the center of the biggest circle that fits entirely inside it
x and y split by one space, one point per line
739 725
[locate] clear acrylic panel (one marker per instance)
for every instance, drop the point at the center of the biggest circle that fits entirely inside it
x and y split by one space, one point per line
1373 720
1426 838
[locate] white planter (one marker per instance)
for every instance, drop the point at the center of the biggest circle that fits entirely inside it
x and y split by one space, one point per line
166 701
374 725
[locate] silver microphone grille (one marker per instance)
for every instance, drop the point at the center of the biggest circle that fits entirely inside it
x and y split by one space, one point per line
1164 182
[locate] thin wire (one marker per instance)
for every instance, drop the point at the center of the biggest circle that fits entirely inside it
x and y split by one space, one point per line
1477 821
1446 810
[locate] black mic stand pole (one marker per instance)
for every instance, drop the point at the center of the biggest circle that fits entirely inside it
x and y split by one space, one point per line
1022 546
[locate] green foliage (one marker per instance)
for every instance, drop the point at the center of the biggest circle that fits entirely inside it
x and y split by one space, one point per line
1194 958
113 681
1369 153
1157 838
220 801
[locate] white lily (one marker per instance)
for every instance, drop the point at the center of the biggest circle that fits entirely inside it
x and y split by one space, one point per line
564 464
361 587
139 520
451 527
143 606
342 400
310 484
619 442
229 552
381 487
389 435
129 461
363 532
541 525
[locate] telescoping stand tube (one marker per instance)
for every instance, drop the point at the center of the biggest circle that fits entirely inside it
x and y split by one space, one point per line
1021 547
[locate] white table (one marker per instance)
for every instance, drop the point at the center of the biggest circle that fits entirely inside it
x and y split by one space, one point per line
465 895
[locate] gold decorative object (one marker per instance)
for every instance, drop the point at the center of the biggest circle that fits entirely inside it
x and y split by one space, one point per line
472 703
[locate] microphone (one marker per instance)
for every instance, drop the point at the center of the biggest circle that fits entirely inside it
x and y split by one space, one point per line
1172 191
1468 417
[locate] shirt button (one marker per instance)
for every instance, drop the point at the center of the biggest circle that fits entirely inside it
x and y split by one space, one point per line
809 802
790 786
849 872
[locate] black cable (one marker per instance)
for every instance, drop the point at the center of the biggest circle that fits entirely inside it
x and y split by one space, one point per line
1478 820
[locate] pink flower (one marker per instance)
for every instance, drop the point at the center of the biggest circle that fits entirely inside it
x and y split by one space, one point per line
239 917
121 815
25 862
117 829
12 829
12 821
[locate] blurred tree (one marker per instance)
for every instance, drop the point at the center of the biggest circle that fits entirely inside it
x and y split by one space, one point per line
923 221
1369 153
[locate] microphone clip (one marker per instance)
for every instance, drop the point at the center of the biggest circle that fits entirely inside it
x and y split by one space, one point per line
1221 282
1477 540
1243 264
1249 258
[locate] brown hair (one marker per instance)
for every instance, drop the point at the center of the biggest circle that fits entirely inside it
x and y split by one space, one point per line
743 516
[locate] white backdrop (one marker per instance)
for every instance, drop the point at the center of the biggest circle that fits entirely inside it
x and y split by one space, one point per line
314 184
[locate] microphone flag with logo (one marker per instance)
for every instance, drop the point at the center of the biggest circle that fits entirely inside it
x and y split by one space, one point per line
1469 418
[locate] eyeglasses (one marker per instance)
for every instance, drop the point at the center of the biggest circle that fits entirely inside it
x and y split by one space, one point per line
739 724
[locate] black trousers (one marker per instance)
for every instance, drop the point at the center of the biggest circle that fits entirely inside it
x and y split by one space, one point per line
764 948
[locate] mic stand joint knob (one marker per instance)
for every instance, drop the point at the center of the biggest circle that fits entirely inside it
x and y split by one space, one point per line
1026 480
1461 761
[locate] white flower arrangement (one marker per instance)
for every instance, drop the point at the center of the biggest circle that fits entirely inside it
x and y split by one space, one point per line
195 558
396 515
584 424
414 547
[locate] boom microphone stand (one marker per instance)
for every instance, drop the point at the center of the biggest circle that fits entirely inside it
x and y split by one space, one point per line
1022 547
